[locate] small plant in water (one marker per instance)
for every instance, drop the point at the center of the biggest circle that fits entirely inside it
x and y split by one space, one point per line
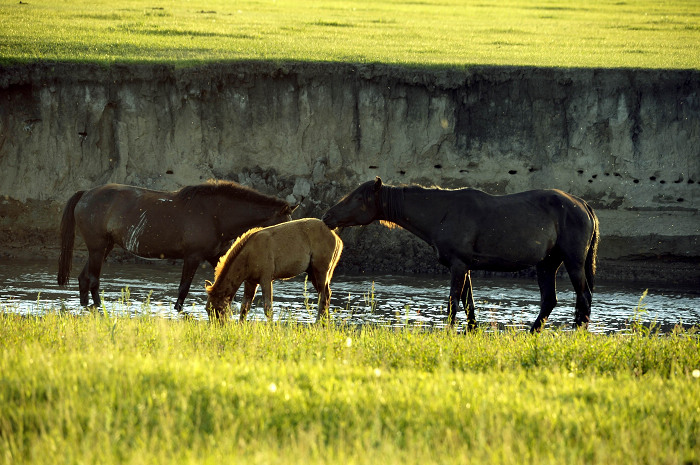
39 306
640 311
146 305
370 300
307 298
407 311
125 297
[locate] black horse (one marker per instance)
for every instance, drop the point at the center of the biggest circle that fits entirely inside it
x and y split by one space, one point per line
472 230
196 223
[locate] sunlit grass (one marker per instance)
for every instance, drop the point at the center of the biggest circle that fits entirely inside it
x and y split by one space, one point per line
645 34
105 389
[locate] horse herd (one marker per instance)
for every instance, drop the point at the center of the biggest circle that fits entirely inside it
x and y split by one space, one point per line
251 239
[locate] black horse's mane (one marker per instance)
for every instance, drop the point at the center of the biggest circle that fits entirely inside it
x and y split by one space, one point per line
392 202
228 188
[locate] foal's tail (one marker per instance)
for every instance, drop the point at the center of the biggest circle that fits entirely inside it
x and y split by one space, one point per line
65 260
592 250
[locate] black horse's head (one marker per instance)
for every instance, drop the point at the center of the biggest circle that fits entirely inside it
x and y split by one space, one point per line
358 208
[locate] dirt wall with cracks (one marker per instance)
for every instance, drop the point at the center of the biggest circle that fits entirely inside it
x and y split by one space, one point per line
625 140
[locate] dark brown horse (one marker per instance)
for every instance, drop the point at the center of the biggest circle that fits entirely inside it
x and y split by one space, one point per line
472 230
196 223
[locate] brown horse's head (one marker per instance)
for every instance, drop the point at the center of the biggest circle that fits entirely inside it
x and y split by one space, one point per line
282 216
358 208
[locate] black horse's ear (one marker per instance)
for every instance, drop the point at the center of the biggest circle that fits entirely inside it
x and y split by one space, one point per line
377 183
289 209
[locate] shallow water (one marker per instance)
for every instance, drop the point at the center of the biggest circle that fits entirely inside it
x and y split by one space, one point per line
138 289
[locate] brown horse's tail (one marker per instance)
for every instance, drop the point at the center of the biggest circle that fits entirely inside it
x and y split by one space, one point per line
592 251
65 260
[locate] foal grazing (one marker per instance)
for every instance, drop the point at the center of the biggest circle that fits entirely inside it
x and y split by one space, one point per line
283 251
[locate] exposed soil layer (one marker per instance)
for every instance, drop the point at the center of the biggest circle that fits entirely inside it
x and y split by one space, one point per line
624 140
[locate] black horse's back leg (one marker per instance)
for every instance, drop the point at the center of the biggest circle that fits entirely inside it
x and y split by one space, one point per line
458 279
583 293
547 280
189 268
468 301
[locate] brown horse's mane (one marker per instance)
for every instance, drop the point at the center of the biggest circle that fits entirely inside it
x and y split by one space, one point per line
229 188
225 261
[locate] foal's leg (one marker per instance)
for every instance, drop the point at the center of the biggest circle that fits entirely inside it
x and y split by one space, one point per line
266 286
249 290
318 278
458 279
468 301
189 268
547 280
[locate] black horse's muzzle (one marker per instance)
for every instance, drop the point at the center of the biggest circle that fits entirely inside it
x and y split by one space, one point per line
329 221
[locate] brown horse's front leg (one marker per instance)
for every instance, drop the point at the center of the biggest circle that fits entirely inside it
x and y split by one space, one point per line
189 268
248 295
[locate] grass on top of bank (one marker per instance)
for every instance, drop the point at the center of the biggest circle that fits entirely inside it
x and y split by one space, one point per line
430 33
104 389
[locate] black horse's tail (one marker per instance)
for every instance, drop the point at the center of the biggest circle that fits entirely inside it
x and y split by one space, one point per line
65 260
592 250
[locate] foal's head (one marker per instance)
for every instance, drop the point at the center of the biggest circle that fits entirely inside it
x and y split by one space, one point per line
217 304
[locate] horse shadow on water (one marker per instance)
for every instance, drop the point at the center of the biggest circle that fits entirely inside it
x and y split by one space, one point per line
196 223
283 251
472 230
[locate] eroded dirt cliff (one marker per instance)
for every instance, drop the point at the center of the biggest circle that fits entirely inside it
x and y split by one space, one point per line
625 140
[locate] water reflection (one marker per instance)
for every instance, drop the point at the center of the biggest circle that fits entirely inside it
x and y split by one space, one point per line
129 289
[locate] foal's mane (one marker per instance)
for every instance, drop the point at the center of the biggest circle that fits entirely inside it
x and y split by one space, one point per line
227 259
229 188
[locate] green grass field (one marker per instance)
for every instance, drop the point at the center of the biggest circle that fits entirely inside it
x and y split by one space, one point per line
429 33
98 389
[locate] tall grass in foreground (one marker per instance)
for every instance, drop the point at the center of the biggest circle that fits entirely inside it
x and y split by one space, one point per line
97 389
